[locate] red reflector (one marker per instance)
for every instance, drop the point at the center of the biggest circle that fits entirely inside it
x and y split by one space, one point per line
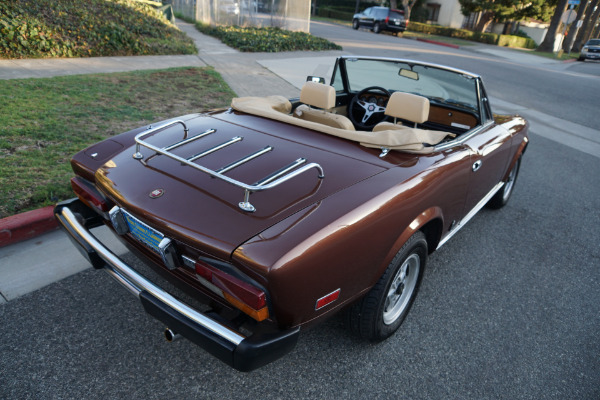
88 193
330 298
246 293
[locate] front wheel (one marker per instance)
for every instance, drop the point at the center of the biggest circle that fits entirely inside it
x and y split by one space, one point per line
355 24
503 195
381 312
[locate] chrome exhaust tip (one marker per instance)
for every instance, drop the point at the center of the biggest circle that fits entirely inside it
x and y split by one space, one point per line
171 336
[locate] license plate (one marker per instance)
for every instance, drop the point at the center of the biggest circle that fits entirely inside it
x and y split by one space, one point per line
143 233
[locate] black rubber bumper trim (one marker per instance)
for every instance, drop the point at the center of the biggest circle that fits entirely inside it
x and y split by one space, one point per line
253 352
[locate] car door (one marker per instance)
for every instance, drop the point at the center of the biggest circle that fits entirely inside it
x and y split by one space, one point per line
366 19
490 150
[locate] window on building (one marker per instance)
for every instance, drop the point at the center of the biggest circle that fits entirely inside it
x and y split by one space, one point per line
433 11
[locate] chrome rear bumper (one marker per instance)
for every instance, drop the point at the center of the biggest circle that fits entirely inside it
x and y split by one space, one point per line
240 352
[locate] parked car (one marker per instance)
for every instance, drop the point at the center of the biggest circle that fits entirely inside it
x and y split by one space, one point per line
590 50
276 214
380 19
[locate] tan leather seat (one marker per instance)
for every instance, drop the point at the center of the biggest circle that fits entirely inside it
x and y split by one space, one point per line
321 96
405 106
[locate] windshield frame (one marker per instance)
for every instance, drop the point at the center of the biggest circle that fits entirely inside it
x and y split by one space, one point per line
340 73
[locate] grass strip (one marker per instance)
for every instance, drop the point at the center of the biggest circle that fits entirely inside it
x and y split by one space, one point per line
45 121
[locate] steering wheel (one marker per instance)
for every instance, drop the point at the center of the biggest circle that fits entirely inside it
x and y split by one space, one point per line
366 115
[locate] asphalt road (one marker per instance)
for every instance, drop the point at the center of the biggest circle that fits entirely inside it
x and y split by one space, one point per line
509 309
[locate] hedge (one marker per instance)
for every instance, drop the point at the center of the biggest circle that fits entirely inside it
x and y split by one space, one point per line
327 12
516 41
489 38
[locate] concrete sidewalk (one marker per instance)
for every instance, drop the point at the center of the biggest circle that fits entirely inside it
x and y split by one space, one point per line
34 263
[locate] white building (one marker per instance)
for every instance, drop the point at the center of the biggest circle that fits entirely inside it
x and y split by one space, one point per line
445 13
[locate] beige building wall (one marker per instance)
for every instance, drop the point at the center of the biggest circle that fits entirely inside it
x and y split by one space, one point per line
448 13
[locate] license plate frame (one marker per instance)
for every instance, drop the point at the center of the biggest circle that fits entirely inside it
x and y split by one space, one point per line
143 233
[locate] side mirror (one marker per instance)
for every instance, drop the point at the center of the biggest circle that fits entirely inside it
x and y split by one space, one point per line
316 79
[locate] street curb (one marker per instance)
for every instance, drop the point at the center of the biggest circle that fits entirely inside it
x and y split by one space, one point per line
454 46
27 225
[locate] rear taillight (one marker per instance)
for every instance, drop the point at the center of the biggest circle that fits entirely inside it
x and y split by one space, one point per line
387 20
88 193
238 293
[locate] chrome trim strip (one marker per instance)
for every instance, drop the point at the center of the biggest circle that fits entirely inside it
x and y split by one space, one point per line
136 283
471 213
462 138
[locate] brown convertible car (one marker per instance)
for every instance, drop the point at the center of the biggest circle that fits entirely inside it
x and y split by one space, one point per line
275 214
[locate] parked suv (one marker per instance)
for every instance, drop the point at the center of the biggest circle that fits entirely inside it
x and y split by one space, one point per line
591 50
380 19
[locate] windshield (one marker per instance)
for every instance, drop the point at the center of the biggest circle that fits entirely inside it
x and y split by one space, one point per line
437 84
593 42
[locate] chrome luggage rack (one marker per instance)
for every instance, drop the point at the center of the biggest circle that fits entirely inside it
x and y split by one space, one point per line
270 181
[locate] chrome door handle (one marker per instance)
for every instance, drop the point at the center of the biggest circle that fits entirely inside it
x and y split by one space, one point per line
476 165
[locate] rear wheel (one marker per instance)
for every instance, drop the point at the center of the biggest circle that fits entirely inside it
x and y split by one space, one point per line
355 24
377 27
503 195
381 312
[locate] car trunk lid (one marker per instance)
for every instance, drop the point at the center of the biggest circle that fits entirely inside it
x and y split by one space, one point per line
204 211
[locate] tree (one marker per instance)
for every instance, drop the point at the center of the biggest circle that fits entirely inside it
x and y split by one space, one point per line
573 30
408 6
588 25
505 10
548 43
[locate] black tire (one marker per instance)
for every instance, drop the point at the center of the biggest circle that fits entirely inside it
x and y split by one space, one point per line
355 24
380 313
581 58
377 28
501 198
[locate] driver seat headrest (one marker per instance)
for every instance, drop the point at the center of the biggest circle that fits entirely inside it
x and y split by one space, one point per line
321 96
408 106
318 95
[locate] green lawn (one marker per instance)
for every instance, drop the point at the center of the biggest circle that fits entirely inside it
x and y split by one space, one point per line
45 121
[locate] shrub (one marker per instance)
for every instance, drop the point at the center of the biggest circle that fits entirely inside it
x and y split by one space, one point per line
489 38
69 28
328 12
267 39
516 41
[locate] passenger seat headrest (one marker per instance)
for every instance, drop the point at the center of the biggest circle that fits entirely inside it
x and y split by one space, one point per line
408 106
318 95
